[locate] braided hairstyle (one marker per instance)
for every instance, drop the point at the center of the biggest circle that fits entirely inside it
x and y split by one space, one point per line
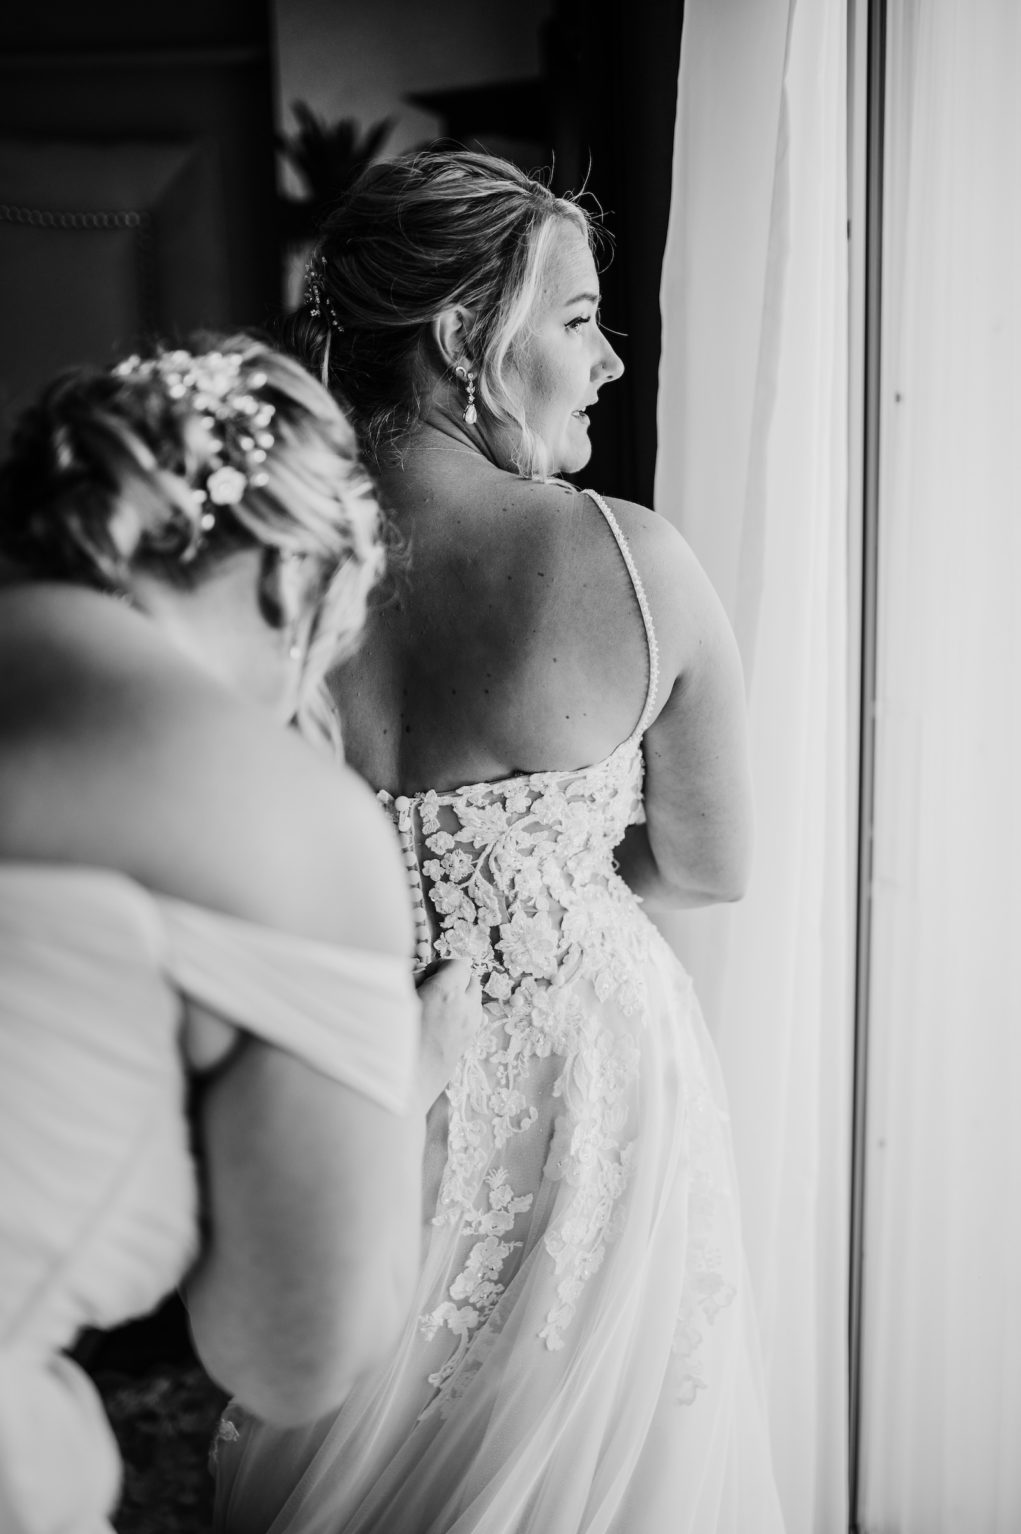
412 237
172 463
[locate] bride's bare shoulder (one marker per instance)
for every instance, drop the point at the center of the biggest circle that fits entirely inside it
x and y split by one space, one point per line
647 533
686 610
541 496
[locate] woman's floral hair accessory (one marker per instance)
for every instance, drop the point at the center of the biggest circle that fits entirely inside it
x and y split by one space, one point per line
215 386
317 300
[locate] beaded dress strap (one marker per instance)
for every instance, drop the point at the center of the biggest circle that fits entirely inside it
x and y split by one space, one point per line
643 603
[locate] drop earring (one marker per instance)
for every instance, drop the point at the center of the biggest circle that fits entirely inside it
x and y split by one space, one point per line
295 642
289 572
470 415
298 641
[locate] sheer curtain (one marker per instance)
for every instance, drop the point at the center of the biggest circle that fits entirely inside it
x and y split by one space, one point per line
753 469
942 1300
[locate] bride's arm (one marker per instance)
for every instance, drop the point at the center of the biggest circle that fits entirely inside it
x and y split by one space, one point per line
695 846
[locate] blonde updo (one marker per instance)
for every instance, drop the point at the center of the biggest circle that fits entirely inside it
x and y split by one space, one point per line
126 469
412 237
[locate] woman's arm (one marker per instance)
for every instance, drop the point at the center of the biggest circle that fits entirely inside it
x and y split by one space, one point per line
312 1197
312 1219
695 847
312 1190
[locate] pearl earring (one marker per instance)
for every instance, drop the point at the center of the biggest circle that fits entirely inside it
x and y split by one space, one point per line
470 415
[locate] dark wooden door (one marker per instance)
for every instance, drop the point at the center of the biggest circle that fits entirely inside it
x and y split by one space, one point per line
137 185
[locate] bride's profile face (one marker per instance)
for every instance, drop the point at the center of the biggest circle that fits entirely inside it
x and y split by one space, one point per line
563 358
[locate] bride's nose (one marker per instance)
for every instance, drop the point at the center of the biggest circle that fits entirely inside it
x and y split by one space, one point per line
608 364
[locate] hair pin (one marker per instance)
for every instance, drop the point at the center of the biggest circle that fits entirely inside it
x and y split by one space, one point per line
316 298
215 387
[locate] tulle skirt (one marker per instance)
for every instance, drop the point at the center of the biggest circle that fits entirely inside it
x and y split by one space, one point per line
596 1372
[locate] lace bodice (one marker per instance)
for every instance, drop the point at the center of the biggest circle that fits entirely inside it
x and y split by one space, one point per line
504 864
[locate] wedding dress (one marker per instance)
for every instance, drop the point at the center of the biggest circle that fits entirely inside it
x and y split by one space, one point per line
97 1186
581 1354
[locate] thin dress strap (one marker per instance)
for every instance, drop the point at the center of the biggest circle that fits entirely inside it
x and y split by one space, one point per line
648 711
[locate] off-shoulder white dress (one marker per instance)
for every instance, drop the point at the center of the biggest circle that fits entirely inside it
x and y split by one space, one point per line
98 1205
581 1357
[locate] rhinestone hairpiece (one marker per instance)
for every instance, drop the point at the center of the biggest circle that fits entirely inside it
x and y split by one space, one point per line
317 300
215 386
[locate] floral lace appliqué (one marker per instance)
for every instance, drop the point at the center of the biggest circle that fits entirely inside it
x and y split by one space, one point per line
521 877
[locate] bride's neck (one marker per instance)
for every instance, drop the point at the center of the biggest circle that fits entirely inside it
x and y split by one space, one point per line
434 454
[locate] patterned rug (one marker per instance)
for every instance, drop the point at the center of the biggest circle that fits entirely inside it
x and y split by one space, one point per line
164 1422
164 1409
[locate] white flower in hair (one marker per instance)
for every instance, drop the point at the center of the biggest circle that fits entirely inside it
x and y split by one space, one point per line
218 373
226 486
225 396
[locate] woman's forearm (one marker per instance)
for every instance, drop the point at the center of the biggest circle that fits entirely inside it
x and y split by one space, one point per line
314 1235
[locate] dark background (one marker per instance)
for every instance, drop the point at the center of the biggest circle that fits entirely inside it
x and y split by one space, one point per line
139 177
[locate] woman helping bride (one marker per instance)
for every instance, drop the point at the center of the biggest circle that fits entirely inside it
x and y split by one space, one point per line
552 709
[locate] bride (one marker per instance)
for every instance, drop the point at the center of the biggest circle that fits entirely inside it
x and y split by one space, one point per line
551 707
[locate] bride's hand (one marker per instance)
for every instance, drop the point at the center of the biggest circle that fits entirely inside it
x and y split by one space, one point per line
451 999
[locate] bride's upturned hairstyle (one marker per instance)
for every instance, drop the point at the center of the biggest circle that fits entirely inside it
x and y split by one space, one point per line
172 462
412 237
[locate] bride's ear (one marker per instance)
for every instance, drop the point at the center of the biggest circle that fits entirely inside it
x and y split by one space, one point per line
449 333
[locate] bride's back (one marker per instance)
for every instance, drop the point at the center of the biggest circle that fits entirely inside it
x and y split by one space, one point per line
511 642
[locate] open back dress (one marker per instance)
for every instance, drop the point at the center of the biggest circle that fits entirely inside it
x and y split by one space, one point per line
581 1354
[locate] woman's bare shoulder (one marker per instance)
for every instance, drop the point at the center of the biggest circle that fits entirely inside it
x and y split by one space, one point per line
117 752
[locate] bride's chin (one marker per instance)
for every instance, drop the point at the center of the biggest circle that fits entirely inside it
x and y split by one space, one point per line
572 459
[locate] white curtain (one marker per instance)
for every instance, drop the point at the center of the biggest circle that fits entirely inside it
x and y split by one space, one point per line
753 469
942 1316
